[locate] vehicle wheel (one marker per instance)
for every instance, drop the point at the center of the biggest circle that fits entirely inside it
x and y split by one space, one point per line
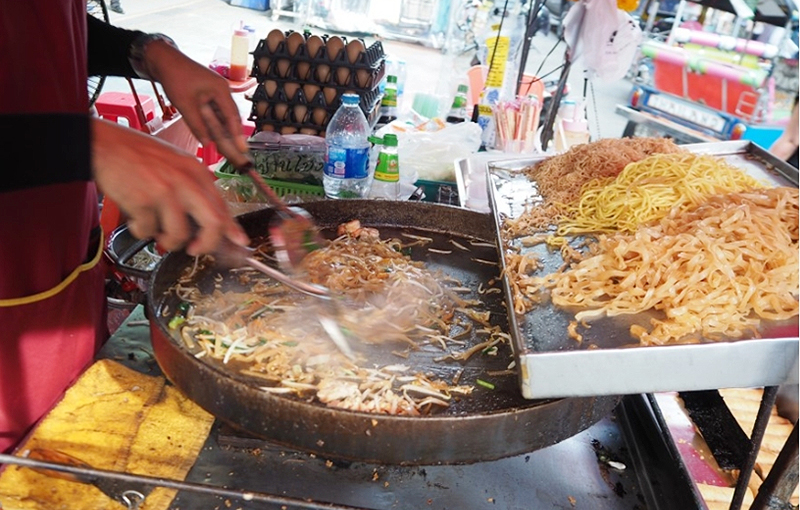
630 130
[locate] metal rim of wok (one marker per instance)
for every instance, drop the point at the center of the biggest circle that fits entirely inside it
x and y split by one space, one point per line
513 427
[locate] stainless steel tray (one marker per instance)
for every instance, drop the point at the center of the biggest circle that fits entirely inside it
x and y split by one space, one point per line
616 364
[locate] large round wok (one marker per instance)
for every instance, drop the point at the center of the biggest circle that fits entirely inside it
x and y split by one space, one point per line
487 425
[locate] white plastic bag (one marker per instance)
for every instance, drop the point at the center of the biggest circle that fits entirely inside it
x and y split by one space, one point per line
429 155
602 37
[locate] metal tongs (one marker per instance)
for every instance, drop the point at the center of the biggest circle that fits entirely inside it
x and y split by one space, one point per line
292 232
232 255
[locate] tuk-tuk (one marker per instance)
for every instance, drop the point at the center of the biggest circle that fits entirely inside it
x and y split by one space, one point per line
700 86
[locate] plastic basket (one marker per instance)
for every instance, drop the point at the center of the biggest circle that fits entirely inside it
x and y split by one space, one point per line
282 188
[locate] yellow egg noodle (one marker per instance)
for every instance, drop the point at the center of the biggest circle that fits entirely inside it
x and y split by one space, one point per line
646 191
561 177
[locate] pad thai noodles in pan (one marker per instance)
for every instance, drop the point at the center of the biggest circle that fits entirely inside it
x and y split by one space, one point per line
386 302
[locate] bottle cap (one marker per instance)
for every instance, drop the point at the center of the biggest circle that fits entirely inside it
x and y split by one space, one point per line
377 140
391 79
350 98
463 88
240 32
390 140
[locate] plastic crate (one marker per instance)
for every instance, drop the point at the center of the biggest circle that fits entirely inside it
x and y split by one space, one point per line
440 192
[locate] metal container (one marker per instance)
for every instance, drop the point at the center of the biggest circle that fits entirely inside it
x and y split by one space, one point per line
550 366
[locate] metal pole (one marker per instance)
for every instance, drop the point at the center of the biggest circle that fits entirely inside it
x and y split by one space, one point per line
530 31
88 473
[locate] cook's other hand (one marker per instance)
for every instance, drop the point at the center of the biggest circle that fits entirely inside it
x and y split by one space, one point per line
159 186
191 88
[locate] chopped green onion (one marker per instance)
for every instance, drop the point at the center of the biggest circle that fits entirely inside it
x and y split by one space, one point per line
175 322
481 382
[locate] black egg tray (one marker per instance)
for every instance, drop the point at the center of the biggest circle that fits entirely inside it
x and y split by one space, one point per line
365 72
275 114
310 95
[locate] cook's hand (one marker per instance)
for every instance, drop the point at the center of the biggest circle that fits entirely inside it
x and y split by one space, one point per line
193 89
159 187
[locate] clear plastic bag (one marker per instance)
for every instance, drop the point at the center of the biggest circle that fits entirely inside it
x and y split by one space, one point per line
429 155
603 38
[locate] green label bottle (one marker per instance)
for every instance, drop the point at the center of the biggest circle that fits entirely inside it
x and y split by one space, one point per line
386 182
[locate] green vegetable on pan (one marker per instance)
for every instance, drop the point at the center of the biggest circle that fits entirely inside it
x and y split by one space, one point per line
487 385
180 316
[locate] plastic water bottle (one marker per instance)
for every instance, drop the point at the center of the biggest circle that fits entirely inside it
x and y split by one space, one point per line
386 183
346 173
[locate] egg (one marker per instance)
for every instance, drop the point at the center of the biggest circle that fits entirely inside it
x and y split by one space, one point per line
274 39
294 42
313 44
290 89
300 111
263 65
302 69
309 131
283 67
319 116
323 73
261 108
310 91
279 111
342 75
330 95
270 87
334 46
354 49
363 78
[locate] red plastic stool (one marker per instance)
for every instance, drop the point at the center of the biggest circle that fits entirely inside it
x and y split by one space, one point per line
113 105
208 153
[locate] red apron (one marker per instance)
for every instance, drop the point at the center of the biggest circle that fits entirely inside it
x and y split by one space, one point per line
52 300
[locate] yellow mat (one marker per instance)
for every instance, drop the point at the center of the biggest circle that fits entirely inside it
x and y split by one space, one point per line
117 419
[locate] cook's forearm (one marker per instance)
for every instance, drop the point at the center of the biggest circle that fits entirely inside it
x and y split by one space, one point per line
108 49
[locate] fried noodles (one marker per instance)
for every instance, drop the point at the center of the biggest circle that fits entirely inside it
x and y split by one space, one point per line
647 190
560 178
716 269
268 332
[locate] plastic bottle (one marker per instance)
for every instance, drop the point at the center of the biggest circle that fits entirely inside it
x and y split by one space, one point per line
346 173
240 43
389 100
386 182
458 111
571 126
